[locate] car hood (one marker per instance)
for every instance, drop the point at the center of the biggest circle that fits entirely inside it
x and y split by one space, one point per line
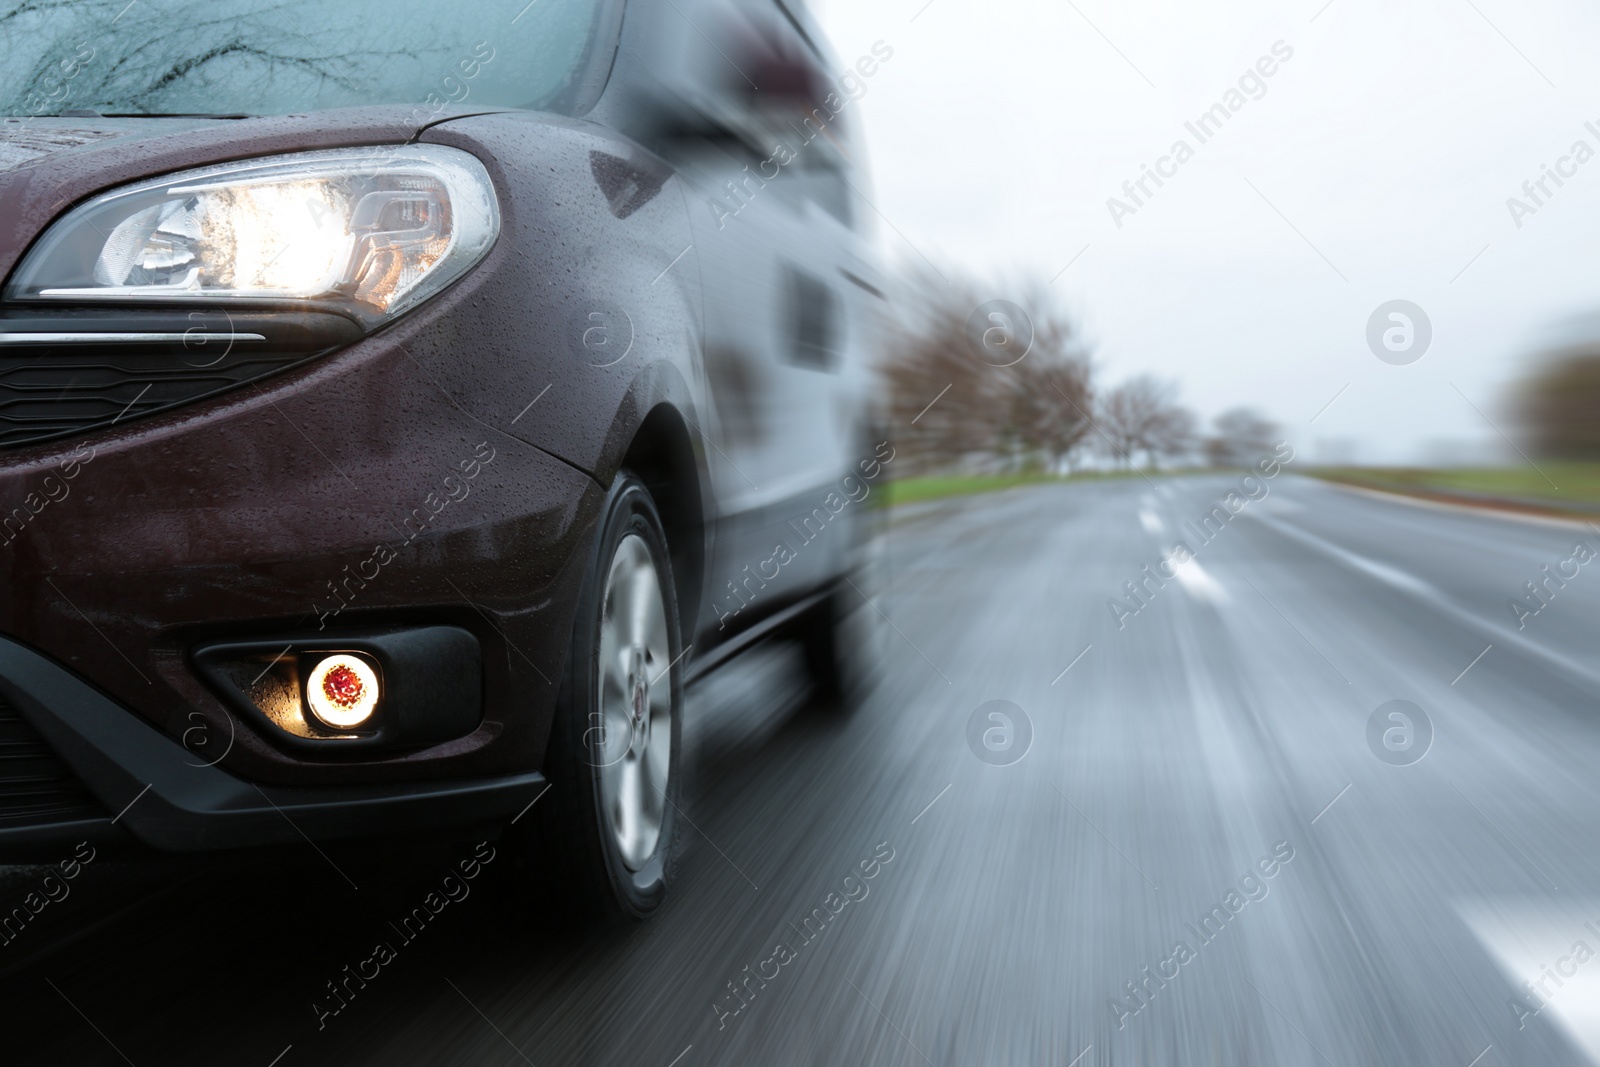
48 164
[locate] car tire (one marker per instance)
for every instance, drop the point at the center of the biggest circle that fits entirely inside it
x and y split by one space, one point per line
605 836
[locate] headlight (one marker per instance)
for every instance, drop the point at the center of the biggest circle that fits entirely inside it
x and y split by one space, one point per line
368 231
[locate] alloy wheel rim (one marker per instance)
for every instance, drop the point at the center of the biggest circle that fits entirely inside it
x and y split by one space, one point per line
633 749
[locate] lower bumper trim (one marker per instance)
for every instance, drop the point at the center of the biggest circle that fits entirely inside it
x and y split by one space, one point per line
161 797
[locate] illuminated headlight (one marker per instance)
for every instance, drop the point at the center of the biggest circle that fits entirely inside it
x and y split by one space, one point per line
342 692
369 231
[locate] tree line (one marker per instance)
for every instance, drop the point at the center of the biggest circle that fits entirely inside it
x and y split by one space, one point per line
988 386
1557 404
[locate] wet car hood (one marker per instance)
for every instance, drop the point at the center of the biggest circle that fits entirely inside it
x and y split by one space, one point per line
48 164
24 141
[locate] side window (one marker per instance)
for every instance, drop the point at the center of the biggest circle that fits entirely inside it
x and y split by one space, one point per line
812 314
792 108
826 181
748 87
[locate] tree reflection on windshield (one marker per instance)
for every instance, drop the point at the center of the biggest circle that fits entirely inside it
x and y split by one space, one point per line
250 57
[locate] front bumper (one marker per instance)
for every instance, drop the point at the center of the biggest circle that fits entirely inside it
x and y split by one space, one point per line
346 495
146 786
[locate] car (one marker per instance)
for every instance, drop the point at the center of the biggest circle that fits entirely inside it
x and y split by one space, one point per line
400 404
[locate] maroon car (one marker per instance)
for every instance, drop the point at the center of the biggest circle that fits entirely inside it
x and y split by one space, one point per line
401 402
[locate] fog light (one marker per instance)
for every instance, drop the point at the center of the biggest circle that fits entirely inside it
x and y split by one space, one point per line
342 691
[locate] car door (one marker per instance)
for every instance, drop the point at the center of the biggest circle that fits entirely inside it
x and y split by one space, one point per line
771 233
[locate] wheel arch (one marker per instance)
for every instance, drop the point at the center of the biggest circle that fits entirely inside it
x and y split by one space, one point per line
663 455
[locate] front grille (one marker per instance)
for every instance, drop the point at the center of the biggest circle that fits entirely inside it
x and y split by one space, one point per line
72 389
67 372
35 786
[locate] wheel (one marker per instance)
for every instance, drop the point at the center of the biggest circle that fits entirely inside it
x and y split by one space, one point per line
845 638
604 838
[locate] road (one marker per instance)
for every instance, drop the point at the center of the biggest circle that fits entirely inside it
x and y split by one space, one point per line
1177 754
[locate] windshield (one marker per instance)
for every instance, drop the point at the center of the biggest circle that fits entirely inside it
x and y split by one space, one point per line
259 57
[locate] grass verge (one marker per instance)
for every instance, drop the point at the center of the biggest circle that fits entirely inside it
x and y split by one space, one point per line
938 487
1565 488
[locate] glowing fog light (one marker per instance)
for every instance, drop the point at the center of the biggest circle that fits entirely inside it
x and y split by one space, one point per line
342 691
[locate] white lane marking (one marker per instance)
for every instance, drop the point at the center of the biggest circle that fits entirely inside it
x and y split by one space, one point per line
1200 585
1152 522
1390 576
1274 505
1421 591
1536 940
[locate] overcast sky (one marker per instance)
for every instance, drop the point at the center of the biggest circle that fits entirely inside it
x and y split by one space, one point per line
1377 166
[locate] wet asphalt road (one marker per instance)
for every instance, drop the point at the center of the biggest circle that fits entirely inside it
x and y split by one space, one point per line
1222 728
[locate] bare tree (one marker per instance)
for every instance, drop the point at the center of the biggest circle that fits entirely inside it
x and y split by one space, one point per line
1054 397
1556 405
940 401
1242 436
954 403
1142 415
1175 435
1118 419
